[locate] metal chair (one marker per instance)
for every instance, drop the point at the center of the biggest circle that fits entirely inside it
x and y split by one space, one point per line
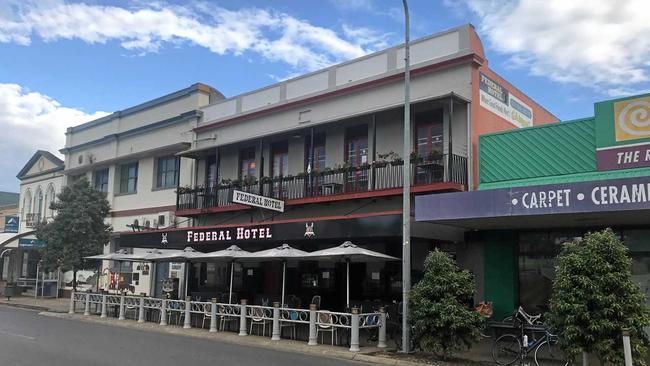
316 301
227 319
325 324
257 319
293 315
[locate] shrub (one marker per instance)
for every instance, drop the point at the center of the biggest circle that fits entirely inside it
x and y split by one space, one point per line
594 298
443 322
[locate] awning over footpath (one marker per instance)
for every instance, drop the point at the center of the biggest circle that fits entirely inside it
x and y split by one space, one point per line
579 204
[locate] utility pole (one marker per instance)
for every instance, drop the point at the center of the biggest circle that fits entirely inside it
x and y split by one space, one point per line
406 184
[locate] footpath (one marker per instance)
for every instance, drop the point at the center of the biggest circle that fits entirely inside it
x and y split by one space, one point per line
478 355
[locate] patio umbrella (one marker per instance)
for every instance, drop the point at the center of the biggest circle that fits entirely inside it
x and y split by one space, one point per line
118 256
350 252
283 253
232 252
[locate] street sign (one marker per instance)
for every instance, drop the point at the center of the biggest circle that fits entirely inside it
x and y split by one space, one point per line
256 200
12 223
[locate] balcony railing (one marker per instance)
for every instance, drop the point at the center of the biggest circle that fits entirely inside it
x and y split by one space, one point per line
378 176
32 220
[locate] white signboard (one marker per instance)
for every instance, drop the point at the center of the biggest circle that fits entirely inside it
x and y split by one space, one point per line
256 200
496 98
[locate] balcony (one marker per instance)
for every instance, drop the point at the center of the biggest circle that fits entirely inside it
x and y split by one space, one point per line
32 220
341 182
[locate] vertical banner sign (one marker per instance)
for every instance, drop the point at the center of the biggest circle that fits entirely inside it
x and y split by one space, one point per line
12 223
497 99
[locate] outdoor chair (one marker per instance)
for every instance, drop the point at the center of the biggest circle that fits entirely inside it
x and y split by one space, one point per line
316 301
257 319
207 314
227 319
293 315
325 325
176 310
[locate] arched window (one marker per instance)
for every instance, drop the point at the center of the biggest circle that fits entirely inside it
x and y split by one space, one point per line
38 205
27 204
50 195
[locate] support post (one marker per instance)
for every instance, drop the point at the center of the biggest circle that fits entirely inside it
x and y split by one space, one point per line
188 313
121 317
163 312
71 310
141 309
87 305
313 339
627 347
242 318
104 299
275 334
213 316
354 330
381 341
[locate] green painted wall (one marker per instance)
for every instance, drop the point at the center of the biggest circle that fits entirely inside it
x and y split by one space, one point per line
549 150
501 269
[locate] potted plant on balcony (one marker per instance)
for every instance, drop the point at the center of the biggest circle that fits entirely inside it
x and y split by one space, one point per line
249 180
415 158
434 155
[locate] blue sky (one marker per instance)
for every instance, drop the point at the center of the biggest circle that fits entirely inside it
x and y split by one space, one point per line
65 62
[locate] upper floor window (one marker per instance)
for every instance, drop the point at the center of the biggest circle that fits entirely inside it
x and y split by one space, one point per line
101 180
280 162
247 163
319 157
167 174
211 173
356 145
428 133
129 178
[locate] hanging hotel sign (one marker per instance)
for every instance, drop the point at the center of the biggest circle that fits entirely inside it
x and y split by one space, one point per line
498 100
623 144
582 197
250 199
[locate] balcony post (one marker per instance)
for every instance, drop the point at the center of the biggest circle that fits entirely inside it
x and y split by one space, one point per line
188 313
213 316
121 313
381 339
163 312
275 334
141 309
87 304
354 330
242 318
104 299
313 337
451 151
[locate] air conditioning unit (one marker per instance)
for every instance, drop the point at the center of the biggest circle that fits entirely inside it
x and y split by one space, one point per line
165 220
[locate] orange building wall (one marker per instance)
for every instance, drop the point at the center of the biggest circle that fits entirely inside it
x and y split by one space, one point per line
484 121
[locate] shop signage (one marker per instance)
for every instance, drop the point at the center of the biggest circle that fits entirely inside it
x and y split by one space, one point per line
12 223
220 237
594 196
30 243
250 199
498 100
622 133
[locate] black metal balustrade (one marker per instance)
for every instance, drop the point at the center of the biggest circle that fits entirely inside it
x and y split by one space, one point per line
378 176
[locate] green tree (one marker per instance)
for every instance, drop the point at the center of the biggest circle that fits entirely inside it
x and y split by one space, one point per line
78 229
443 322
594 298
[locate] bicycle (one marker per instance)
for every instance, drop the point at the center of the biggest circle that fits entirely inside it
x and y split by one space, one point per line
510 348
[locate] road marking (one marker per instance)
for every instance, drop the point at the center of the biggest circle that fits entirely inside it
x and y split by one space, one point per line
16 335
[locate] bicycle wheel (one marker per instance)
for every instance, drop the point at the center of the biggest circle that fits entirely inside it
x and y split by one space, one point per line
549 354
506 349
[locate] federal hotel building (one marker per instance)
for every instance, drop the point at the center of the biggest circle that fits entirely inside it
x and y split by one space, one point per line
329 146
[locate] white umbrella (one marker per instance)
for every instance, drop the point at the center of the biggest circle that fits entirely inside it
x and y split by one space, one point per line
350 252
118 256
284 253
232 252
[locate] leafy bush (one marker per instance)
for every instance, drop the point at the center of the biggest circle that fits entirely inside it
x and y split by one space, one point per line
594 298
443 322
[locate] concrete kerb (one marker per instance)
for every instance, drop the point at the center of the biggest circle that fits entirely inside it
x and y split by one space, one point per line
260 342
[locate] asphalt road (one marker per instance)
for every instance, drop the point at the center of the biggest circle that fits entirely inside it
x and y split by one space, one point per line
29 339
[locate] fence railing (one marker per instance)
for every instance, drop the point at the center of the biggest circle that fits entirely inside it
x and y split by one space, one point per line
163 310
371 177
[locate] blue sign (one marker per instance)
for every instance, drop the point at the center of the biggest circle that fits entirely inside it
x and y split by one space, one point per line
30 243
594 196
12 223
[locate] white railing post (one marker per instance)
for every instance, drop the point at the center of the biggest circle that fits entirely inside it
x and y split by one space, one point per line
354 330
104 315
313 339
87 305
121 317
163 312
381 339
627 348
242 318
188 313
71 310
213 316
141 309
275 334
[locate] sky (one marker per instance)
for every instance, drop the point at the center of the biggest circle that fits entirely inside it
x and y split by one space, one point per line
66 62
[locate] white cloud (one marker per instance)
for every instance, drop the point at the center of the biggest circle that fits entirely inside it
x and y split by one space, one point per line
31 121
602 44
276 36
